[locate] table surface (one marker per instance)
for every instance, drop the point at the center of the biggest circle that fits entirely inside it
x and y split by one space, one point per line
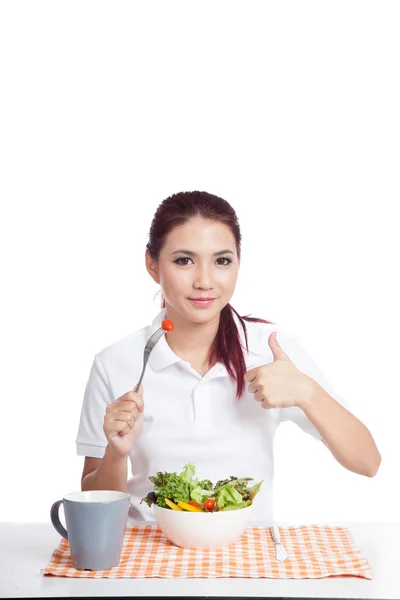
25 548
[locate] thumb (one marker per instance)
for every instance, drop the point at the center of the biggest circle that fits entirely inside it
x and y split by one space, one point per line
277 351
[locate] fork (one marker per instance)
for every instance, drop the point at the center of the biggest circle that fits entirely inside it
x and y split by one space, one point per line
151 342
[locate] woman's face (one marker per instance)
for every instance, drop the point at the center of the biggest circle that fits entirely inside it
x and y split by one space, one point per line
197 269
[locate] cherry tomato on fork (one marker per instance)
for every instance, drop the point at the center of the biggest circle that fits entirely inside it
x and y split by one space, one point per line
167 325
209 504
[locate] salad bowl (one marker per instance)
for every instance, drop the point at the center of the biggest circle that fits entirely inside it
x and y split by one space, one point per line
203 530
195 513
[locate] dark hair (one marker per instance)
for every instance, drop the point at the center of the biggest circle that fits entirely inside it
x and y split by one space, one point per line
176 210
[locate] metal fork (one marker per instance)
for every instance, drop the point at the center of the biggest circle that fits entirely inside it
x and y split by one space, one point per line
151 342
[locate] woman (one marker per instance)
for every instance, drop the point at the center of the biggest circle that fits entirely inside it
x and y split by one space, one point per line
217 386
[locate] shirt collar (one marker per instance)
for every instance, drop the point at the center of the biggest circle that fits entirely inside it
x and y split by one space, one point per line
162 356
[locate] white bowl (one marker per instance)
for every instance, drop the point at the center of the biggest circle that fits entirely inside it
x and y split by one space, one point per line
202 530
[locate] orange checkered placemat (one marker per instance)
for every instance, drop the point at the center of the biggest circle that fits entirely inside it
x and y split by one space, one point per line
314 551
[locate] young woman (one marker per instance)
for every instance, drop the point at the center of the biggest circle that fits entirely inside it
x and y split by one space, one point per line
217 386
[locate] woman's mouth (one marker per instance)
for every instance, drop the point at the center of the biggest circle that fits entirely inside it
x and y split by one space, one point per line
202 301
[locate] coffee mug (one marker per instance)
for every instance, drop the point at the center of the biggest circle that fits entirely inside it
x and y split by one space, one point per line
95 523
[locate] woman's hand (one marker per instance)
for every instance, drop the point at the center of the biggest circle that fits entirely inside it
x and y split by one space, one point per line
123 422
279 384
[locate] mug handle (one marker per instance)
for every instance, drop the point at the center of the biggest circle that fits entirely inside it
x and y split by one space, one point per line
55 519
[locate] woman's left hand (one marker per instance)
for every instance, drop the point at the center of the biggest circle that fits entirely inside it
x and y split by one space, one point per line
279 384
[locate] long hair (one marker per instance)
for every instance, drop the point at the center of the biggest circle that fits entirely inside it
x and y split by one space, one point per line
176 210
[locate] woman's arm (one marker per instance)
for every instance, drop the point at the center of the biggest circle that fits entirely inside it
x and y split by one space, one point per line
347 438
107 473
281 384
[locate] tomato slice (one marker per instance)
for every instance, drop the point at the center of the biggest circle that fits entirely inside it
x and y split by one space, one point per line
167 325
209 503
193 503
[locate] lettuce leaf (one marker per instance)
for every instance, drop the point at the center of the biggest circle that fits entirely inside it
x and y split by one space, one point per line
229 495
236 506
188 473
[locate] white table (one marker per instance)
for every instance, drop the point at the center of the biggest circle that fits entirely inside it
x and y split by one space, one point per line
25 548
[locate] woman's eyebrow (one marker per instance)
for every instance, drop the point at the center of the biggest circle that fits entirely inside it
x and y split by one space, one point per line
191 253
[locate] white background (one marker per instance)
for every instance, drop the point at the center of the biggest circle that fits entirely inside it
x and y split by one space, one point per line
290 111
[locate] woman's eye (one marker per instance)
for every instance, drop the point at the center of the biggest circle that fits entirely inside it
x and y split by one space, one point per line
224 261
185 260
182 261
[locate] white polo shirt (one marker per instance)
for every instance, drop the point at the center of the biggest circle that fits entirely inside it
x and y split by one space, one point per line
189 418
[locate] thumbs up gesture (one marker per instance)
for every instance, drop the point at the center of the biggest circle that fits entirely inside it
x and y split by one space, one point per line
279 384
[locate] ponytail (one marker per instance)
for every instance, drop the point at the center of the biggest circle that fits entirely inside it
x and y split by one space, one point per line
227 347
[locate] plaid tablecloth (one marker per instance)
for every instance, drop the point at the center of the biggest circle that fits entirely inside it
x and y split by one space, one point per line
314 551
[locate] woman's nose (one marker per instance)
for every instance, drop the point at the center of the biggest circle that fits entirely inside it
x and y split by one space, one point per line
202 278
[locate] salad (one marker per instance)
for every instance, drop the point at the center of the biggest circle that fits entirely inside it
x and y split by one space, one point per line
186 492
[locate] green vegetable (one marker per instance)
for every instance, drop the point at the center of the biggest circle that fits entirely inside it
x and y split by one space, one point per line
188 473
169 485
199 494
229 494
206 484
236 506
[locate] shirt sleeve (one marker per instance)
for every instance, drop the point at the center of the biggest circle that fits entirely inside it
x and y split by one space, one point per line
91 439
307 365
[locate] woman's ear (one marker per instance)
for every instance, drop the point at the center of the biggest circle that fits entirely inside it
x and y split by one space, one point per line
152 267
